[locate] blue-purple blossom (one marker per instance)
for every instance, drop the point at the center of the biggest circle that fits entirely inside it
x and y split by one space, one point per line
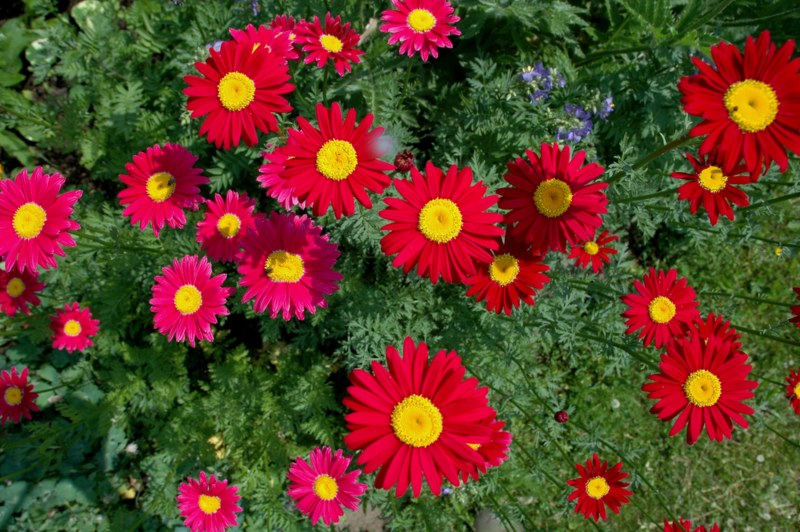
217 45
541 81
607 108
579 124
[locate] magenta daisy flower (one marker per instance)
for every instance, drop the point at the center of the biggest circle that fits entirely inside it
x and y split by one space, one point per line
330 41
208 504
275 41
161 182
273 178
420 26
321 486
16 396
34 219
227 220
287 266
73 328
187 300
17 290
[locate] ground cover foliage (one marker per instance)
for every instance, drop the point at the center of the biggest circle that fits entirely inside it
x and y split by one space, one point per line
86 85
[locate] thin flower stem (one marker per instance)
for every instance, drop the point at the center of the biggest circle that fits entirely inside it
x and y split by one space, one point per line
771 201
781 436
767 336
659 194
746 298
502 514
652 156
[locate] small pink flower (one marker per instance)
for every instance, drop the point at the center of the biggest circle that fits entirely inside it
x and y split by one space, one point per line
227 220
17 289
73 327
16 396
420 26
208 504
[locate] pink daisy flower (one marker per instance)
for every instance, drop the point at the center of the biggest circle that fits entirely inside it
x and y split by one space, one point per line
226 221
286 264
275 41
285 23
187 300
208 504
332 41
420 26
273 178
34 219
73 328
17 290
16 396
161 182
321 488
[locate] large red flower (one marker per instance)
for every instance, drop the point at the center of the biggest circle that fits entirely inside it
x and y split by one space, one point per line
551 200
598 487
335 163
417 418
686 526
240 91
330 41
420 26
16 396
750 104
73 328
703 384
663 308
796 310
594 251
712 186
18 289
793 390
276 41
440 224
227 220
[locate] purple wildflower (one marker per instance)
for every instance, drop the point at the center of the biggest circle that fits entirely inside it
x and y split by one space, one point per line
579 124
541 81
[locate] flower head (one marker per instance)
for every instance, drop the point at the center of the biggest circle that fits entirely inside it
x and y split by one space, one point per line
421 26
594 251
18 289
225 223
16 396
404 162
793 390
73 328
208 504
796 310
541 81
273 178
494 453
684 525
274 40
331 41
578 124
597 487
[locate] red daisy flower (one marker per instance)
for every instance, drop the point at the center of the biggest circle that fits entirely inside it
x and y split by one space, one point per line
420 26
333 41
273 178
321 486
711 185
663 308
161 182
796 310
440 224
493 453
73 328
287 265
704 385
276 41
719 327
594 250
598 487
335 163
187 300
16 396
417 418
208 504
287 24
793 390
34 219
227 220
514 275
686 526
750 104
240 91
18 289
551 200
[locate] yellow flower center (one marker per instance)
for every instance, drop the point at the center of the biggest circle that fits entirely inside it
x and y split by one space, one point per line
29 220
325 487
440 220
778 251
797 390
504 269
15 287
13 396
597 488
752 104
228 225
474 446
712 179
283 267
72 328
416 421
331 43
591 248
421 20
552 197
236 91
702 388
160 186
188 299
209 504
661 309
337 159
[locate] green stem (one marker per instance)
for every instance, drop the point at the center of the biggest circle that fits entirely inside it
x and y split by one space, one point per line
746 298
647 159
615 51
771 201
659 194
501 513
767 336
781 436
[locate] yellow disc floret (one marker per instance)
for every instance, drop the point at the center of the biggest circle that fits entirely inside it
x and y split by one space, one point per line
504 269
188 299
209 504
661 309
421 20
160 186
702 388
236 91
797 390
337 159
552 197
72 328
228 225
15 287
752 104
416 421
440 220
29 220
13 396
712 179
283 267
331 43
597 488
325 487
591 248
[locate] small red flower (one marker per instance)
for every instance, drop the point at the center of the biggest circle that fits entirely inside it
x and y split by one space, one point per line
18 289
561 416
420 26
225 223
208 504
16 396
712 186
275 41
332 41
594 251
73 328
287 24
686 526
598 487
404 162
793 390
796 310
